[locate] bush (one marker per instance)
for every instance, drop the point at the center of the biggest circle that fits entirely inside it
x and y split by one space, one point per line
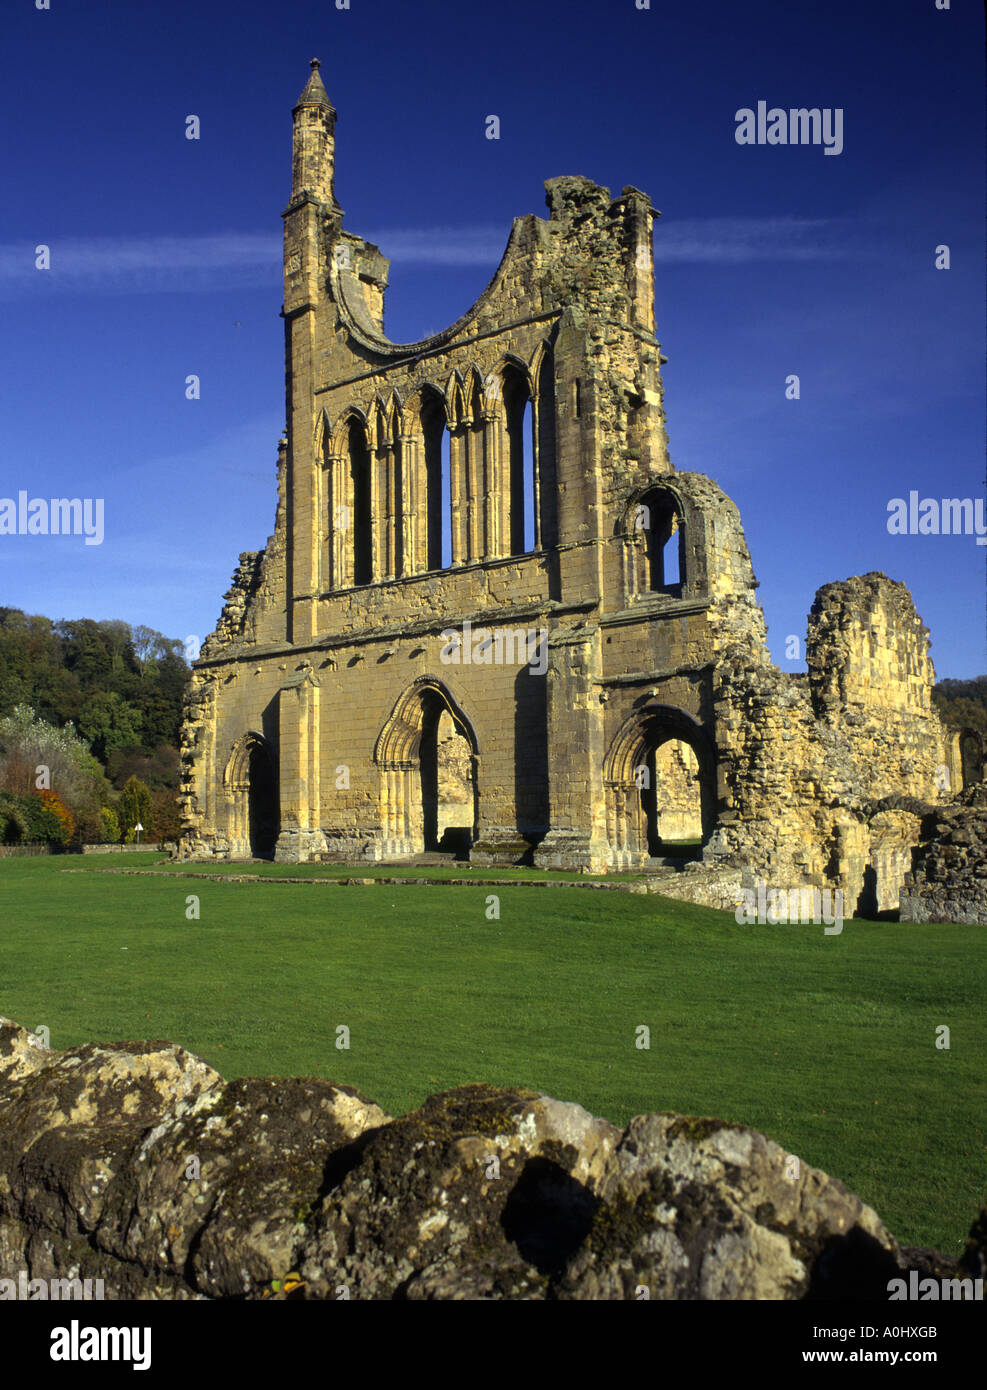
13 822
109 826
43 826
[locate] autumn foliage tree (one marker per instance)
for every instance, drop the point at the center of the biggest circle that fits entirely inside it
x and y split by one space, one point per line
52 802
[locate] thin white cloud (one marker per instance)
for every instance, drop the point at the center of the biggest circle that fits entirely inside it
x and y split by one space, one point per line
169 264
735 240
702 239
143 265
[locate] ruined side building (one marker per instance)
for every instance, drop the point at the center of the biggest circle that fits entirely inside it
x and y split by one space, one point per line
490 601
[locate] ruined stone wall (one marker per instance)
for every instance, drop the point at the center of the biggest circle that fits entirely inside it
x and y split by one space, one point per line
809 761
947 881
569 317
871 678
677 792
332 653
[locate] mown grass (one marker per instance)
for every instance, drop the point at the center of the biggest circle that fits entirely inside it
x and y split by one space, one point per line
826 1043
265 868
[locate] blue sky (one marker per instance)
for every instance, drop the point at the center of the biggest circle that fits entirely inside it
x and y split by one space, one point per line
771 260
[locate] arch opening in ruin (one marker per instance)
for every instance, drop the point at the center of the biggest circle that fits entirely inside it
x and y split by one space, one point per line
446 762
252 795
660 783
663 536
427 761
653 530
971 750
522 529
671 796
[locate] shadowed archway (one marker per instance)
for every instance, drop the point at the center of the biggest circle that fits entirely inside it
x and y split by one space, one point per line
660 781
251 784
427 760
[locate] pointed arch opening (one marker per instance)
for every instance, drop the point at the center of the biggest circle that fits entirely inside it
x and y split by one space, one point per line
360 485
660 780
657 523
435 445
427 760
545 470
519 428
251 784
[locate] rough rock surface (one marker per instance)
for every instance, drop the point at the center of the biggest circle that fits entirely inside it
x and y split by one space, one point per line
137 1164
948 881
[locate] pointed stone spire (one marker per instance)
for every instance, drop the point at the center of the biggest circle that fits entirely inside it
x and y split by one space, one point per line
315 93
313 145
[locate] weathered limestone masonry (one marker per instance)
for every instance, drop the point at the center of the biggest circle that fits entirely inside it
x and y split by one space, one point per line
508 480
948 878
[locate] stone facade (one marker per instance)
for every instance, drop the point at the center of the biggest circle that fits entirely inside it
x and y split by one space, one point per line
490 600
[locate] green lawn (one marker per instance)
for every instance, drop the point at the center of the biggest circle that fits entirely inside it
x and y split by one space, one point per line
262 868
827 1043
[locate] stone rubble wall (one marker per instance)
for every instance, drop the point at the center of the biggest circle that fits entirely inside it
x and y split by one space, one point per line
677 792
137 1164
948 879
809 761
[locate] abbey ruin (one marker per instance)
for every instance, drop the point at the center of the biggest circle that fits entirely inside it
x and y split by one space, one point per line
494 619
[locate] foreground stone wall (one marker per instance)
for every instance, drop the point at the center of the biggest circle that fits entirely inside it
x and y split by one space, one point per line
137 1164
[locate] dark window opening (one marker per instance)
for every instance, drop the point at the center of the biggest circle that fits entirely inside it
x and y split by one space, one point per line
436 481
528 475
520 462
360 475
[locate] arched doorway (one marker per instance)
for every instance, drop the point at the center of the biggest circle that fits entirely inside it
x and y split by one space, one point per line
660 786
448 786
971 757
252 792
427 758
671 796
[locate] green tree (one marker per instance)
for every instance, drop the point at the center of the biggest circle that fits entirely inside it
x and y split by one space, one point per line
43 826
28 744
167 815
85 651
134 807
108 723
109 825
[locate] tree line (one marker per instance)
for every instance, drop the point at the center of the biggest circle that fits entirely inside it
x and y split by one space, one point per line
90 714
962 704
